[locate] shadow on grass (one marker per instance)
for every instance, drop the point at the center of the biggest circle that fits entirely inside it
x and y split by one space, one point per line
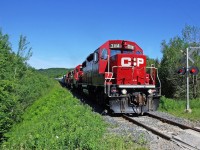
87 100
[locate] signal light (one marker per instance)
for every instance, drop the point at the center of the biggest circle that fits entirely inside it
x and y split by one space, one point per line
181 70
193 70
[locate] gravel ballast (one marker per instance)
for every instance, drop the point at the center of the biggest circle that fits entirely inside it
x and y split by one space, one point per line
142 136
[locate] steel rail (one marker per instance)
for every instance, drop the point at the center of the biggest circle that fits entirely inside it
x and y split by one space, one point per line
173 122
147 127
167 137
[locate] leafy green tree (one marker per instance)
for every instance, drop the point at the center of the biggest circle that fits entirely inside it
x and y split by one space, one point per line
191 35
20 85
151 61
6 57
24 53
174 56
7 99
171 81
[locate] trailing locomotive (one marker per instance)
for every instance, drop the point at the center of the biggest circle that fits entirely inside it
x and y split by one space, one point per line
73 78
117 75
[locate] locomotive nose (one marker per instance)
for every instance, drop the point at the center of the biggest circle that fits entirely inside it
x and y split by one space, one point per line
129 68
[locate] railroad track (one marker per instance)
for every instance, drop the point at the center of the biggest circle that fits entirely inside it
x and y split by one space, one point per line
187 137
173 122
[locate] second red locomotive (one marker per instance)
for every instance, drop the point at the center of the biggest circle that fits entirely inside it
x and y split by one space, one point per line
117 75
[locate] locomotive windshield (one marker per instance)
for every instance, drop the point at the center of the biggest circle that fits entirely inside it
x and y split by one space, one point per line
118 51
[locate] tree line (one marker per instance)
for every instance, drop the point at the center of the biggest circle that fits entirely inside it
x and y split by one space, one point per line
55 72
20 84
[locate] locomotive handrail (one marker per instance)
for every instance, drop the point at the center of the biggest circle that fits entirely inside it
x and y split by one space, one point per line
157 78
133 69
146 71
105 89
106 78
144 86
122 66
140 69
108 63
151 72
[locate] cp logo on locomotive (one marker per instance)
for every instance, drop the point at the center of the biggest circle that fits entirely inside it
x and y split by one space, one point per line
126 61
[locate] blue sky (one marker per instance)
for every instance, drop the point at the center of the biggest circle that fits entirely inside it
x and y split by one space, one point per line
62 33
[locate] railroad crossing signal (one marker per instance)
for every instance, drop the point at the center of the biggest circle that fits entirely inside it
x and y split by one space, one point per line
181 70
192 70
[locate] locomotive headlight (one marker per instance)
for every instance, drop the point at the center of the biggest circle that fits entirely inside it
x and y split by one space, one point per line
124 91
150 91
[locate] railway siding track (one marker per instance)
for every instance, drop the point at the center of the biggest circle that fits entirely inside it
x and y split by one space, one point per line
187 137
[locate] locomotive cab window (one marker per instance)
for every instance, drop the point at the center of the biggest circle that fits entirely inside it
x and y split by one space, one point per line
118 51
138 52
104 54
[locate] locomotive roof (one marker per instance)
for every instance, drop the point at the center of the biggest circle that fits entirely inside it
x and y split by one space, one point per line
124 42
117 44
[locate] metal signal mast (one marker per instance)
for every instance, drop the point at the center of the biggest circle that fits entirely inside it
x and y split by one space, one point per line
192 70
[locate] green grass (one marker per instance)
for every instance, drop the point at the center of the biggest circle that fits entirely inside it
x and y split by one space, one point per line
177 108
59 121
116 142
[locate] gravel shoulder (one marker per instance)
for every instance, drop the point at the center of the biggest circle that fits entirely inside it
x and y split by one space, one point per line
142 136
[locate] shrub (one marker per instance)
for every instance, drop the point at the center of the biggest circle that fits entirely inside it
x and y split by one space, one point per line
177 108
56 121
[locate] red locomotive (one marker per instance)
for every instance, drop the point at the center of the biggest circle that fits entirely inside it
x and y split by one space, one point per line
117 75
73 79
68 79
